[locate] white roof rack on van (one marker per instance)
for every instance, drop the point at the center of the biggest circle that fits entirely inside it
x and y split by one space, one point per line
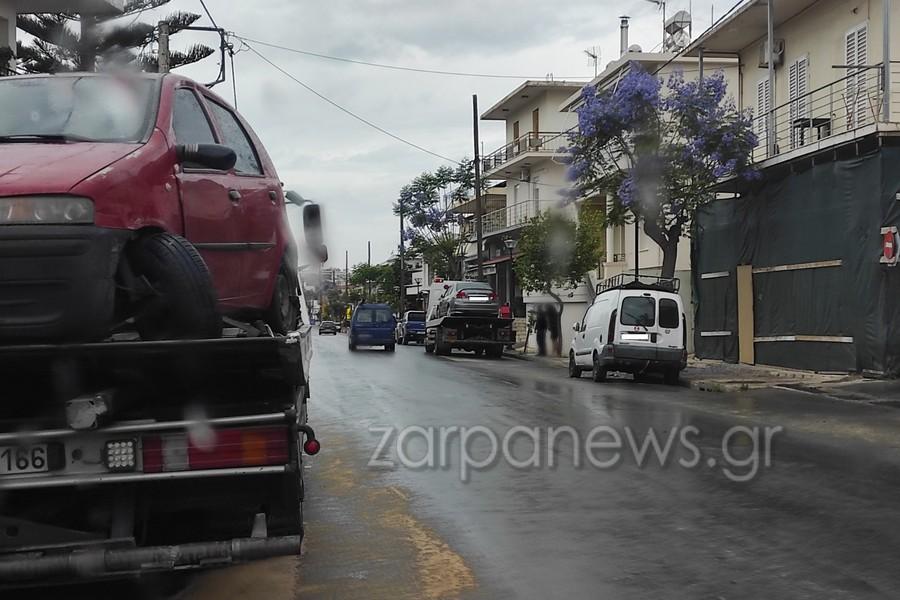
644 282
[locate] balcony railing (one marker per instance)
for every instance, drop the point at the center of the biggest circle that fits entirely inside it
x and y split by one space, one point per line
840 107
512 216
544 142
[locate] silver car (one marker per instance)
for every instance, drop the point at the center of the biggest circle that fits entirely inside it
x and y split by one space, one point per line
469 298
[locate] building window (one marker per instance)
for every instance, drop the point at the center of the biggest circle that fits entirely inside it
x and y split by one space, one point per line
763 106
856 54
798 88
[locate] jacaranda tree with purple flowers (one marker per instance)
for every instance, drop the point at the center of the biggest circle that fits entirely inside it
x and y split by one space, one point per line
658 149
433 229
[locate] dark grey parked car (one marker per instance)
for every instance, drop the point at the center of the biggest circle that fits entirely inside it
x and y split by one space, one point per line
468 298
328 327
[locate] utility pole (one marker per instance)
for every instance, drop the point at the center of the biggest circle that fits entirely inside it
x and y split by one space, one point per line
478 240
402 265
163 58
346 275
368 272
637 248
771 133
886 60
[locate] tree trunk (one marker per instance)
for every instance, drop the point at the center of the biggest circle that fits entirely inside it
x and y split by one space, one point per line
670 256
667 240
87 50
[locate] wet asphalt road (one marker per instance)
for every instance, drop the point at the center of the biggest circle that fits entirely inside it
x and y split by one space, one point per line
821 521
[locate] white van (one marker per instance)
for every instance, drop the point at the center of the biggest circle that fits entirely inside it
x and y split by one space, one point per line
633 326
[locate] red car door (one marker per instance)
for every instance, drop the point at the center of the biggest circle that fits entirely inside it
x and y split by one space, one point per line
261 209
210 212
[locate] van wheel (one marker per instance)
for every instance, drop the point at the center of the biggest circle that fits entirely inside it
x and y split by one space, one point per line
182 303
283 312
429 348
672 377
574 370
390 347
598 373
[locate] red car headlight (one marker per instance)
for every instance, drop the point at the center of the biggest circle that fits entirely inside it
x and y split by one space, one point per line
46 210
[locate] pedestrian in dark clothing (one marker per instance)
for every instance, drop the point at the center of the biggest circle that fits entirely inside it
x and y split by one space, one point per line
553 328
540 329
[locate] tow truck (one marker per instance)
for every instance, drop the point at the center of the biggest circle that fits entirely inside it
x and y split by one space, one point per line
125 457
478 334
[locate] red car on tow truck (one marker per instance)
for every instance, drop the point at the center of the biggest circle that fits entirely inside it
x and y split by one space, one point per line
137 433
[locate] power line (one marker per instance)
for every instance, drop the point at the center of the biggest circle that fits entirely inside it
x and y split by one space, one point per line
206 10
370 123
348 111
398 67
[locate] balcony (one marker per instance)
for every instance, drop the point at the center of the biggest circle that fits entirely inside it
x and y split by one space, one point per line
508 218
834 114
530 146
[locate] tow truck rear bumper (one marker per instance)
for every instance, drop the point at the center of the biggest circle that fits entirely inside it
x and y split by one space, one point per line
97 563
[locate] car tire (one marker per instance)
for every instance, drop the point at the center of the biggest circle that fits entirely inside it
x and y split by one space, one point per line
429 348
283 313
390 347
598 373
672 377
479 352
184 304
494 352
404 340
352 347
574 369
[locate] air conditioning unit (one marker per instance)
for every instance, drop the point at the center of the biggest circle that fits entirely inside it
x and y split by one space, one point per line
778 51
524 175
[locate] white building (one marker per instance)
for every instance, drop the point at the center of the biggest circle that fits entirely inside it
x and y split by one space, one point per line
529 178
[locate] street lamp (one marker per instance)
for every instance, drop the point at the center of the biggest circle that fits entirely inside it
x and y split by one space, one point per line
510 244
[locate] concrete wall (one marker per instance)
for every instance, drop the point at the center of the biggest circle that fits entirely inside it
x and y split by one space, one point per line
550 117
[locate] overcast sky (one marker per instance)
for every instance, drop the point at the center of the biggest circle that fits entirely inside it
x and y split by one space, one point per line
354 171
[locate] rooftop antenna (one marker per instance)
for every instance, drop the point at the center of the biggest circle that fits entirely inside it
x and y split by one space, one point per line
661 4
593 54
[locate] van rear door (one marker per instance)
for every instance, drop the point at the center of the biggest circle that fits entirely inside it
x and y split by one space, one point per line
637 320
670 323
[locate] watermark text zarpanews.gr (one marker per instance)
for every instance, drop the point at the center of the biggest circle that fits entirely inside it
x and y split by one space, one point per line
740 452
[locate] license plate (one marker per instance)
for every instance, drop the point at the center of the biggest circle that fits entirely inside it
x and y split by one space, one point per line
23 459
478 298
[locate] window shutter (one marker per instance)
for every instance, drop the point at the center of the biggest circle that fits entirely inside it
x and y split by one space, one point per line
798 87
763 106
856 53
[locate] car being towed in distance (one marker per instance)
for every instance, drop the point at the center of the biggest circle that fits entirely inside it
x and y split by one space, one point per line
468 298
141 197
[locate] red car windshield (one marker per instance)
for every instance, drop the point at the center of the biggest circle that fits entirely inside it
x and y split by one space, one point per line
97 109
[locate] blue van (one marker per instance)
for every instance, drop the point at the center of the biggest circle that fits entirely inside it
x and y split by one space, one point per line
372 325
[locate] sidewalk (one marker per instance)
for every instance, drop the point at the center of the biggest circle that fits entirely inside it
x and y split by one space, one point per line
717 376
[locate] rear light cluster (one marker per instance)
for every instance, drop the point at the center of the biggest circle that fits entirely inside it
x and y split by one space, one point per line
462 294
228 448
119 455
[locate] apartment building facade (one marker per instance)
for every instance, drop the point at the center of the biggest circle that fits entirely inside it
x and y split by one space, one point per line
527 175
798 269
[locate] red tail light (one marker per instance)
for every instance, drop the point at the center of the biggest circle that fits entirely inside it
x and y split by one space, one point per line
228 448
462 294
